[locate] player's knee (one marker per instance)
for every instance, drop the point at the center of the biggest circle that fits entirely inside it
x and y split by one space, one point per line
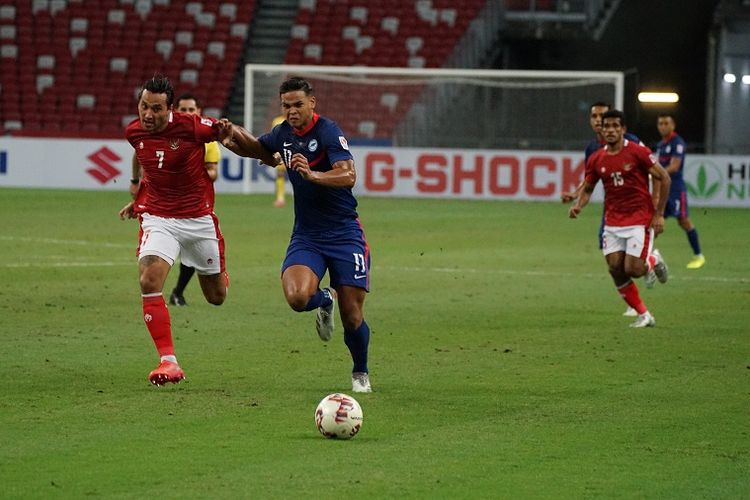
216 297
615 270
149 284
636 270
216 300
297 301
351 323
351 318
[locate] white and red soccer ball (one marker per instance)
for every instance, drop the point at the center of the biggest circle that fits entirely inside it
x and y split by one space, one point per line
338 416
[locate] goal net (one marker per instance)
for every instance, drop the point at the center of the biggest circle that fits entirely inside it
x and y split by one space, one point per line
442 108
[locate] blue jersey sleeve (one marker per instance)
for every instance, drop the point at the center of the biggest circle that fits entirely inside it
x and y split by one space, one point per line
270 140
678 148
633 138
335 143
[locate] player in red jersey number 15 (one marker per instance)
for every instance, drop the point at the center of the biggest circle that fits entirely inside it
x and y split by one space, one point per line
631 220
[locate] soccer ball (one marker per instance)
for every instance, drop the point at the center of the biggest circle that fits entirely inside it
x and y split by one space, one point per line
338 416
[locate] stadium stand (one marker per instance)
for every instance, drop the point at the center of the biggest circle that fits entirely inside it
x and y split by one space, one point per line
70 69
385 33
388 33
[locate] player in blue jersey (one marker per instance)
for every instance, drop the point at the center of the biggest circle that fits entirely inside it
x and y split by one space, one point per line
327 235
671 151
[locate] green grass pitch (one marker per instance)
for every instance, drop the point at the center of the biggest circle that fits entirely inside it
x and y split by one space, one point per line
501 364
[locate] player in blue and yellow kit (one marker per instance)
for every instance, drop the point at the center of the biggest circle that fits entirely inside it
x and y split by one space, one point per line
327 234
671 151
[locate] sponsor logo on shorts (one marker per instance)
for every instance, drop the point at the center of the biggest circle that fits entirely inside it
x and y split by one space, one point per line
359 276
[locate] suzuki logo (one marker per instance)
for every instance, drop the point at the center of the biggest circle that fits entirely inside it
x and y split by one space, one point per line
104 170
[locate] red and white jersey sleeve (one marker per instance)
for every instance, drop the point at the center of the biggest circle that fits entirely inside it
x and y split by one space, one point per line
174 173
627 199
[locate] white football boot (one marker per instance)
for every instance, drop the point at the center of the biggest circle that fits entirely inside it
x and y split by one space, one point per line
630 312
660 268
644 320
324 321
361 382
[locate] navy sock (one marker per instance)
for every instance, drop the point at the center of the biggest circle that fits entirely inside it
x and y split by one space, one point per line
358 342
693 239
186 273
322 298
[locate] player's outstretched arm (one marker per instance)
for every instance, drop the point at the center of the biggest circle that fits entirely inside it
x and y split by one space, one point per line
243 143
568 196
136 176
127 211
662 181
584 195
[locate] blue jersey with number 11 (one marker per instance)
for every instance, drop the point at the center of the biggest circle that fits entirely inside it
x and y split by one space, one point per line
316 208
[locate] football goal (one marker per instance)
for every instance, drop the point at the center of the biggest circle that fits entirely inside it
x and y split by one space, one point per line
444 108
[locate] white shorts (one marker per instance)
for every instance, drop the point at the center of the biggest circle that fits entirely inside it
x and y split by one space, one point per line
633 240
198 241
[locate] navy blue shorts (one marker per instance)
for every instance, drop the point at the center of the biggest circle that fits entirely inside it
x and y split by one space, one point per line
677 206
344 253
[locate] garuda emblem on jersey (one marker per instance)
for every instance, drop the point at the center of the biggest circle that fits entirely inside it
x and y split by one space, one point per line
627 166
174 144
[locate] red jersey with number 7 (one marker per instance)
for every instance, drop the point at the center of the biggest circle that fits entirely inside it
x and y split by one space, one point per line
624 175
175 181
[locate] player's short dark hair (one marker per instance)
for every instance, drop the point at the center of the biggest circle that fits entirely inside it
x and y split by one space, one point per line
186 96
666 114
614 113
601 104
158 84
295 83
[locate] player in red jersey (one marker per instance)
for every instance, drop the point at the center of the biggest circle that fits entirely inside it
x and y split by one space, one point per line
174 205
630 218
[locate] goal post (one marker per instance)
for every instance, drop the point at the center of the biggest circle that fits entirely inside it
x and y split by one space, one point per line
448 108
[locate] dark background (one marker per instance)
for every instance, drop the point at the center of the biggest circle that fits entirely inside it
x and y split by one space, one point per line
660 45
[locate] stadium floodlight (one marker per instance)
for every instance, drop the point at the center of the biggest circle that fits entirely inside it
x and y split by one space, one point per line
443 107
746 79
658 97
730 77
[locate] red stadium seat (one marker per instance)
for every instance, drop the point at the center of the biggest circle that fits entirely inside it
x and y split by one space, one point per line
393 33
53 51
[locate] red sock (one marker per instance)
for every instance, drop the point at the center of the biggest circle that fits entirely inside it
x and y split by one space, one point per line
651 262
629 292
156 317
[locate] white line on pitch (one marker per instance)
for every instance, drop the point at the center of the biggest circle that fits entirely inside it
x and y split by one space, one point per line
55 241
19 265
